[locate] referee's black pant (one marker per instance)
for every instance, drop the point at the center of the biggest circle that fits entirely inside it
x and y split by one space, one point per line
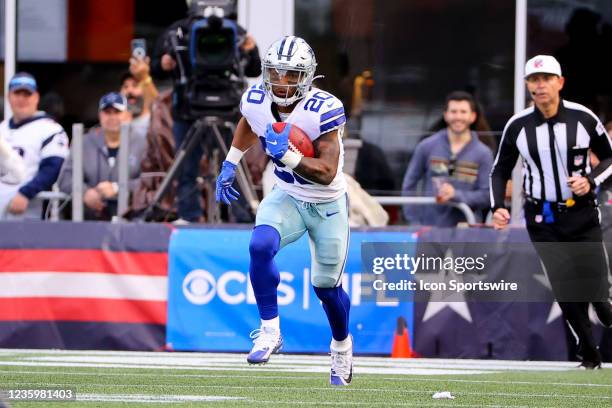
572 252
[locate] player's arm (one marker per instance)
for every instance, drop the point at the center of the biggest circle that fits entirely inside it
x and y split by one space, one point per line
323 167
320 169
503 165
244 138
601 145
501 172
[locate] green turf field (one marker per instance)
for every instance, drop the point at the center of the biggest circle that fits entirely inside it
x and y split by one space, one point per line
120 379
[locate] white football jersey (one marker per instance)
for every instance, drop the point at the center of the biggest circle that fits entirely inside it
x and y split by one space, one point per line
35 139
12 167
319 112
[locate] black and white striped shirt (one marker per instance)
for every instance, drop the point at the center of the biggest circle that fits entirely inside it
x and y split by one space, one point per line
547 161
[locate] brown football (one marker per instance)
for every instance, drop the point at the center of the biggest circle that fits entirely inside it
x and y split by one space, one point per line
298 139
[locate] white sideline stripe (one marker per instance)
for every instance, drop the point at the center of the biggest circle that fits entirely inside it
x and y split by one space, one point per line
197 362
244 367
159 399
304 363
297 377
346 389
83 285
385 404
362 363
293 358
306 359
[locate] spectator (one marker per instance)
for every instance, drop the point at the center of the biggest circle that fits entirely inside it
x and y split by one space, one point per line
138 87
157 159
454 165
372 170
100 153
39 140
165 63
480 126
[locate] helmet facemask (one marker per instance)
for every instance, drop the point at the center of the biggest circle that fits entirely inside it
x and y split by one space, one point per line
288 67
292 83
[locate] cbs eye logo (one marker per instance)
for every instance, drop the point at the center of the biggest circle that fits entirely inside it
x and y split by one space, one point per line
199 287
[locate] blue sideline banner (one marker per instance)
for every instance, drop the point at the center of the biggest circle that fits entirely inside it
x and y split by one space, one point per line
211 306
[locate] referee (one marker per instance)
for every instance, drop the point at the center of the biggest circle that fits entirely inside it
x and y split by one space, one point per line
554 138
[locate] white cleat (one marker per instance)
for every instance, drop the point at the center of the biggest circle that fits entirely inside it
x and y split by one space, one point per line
342 366
266 341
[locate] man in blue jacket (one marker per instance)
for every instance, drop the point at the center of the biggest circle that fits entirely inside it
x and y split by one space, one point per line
454 166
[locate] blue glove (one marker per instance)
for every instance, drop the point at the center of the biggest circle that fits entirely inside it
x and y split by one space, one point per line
277 144
225 191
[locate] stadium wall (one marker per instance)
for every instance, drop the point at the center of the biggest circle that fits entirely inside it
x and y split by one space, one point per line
106 286
83 285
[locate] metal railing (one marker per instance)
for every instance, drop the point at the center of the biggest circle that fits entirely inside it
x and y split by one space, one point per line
394 200
54 198
76 151
123 194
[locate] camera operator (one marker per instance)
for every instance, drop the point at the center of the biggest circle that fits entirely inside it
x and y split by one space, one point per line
174 57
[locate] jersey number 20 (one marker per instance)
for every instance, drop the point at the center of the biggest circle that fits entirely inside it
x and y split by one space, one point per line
315 103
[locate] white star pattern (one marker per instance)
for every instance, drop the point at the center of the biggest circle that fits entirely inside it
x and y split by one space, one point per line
555 310
438 301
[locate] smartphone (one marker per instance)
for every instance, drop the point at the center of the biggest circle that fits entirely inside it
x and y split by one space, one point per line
139 48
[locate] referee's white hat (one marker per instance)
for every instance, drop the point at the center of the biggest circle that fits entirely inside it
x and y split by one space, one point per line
542 64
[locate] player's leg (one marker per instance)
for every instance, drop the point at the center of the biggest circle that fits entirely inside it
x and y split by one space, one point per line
565 276
594 263
278 223
577 317
329 233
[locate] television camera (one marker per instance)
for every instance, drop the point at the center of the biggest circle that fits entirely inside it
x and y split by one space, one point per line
208 92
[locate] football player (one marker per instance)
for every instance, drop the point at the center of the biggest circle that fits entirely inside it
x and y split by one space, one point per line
309 196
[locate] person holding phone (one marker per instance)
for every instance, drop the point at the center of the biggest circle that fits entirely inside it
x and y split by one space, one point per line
139 89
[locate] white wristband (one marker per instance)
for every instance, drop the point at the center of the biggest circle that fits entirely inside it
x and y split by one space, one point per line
234 155
291 159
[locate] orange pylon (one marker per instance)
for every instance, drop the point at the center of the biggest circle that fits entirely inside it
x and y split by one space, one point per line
401 341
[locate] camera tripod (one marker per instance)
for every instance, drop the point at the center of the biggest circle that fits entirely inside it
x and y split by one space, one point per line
201 127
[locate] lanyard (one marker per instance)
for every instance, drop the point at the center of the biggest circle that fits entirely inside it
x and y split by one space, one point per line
570 202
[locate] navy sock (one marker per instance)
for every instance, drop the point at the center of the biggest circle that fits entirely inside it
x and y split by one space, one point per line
336 304
264 274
